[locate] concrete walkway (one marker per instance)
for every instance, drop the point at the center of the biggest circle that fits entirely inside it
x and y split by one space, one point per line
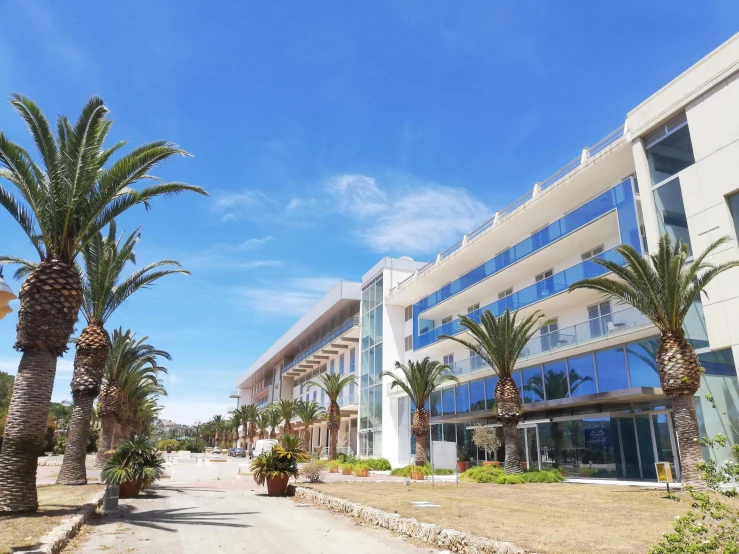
231 516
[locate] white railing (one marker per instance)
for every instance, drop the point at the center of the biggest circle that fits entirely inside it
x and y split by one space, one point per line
501 215
599 328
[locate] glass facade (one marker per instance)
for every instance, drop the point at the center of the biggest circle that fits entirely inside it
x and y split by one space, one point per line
370 383
620 198
671 152
668 200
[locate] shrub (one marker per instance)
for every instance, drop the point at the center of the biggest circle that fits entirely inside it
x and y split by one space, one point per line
482 474
360 470
543 476
313 470
192 445
92 440
514 479
171 443
493 474
60 443
377 464
135 459
710 526
426 470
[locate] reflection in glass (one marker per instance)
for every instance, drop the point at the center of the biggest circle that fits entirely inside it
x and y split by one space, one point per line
646 452
447 400
642 363
436 403
662 441
668 200
490 384
670 155
631 456
611 367
463 398
532 390
477 395
450 432
582 375
555 380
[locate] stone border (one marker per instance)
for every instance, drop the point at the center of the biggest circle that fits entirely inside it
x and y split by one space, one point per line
444 539
56 539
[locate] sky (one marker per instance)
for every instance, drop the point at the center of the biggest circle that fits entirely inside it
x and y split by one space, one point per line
328 134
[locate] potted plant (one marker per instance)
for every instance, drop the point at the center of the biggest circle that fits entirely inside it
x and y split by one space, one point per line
417 474
462 459
347 469
277 466
486 438
361 470
133 466
333 466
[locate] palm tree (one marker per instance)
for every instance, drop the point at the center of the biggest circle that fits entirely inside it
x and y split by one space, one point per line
420 380
103 293
499 341
262 422
62 204
217 423
250 413
332 384
235 425
286 409
308 412
243 412
664 287
275 418
132 367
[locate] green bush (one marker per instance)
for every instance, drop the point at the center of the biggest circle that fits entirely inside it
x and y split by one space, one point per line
543 476
426 470
60 443
92 440
192 445
514 479
377 464
482 474
494 474
171 443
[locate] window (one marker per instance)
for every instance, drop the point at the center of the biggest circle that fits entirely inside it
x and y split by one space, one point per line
477 395
473 308
409 343
506 292
669 149
733 201
352 360
544 275
642 358
668 200
341 364
408 313
449 360
463 398
549 335
447 319
331 367
611 368
601 319
533 385
582 375
598 250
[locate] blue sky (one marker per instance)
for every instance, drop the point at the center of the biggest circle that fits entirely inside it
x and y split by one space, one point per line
329 134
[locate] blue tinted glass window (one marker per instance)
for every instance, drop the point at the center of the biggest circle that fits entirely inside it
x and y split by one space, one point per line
463 398
555 380
533 389
435 432
477 395
352 360
582 375
490 384
718 362
447 400
611 367
436 403
643 363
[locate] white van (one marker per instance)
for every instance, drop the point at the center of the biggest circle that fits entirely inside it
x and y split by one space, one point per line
264 446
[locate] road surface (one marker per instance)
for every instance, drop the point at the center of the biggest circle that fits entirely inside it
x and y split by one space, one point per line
231 516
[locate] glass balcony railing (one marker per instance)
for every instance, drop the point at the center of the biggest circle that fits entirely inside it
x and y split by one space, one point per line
555 284
335 333
595 329
348 400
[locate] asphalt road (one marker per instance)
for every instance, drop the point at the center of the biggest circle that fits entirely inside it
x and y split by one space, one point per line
231 516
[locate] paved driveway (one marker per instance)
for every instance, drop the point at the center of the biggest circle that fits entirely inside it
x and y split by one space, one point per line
231 516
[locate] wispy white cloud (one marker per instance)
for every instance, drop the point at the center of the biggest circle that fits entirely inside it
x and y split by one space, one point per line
245 204
290 297
255 242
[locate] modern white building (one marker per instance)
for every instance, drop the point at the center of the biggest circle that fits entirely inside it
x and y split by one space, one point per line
592 402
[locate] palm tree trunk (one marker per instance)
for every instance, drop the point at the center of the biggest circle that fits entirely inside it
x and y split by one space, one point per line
421 450
334 422
420 426
105 442
512 459
686 429
24 431
73 470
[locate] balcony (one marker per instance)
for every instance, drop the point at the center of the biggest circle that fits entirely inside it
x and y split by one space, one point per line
348 400
593 330
555 284
335 334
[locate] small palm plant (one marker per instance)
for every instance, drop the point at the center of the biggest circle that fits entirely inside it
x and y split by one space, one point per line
664 287
275 419
419 380
134 461
332 384
499 341
279 464
286 409
309 412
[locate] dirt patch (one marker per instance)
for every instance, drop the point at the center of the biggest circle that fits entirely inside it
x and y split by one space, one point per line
546 518
56 502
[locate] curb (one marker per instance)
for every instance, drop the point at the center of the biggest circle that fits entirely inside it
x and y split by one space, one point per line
56 539
443 539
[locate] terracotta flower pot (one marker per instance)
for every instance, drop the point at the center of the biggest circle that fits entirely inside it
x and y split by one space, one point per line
130 489
276 486
334 469
417 475
347 471
524 465
461 467
495 464
362 473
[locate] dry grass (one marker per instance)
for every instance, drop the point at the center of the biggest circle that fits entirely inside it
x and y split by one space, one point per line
558 518
56 502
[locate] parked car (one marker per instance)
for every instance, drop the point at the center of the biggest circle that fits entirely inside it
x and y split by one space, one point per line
216 450
231 451
239 453
263 447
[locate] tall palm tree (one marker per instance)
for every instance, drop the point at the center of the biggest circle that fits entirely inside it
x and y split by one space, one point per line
103 292
250 413
62 204
275 418
499 341
332 384
308 412
217 422
262 423
132 365
286 409
244 423
419 380
235 426
664 287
